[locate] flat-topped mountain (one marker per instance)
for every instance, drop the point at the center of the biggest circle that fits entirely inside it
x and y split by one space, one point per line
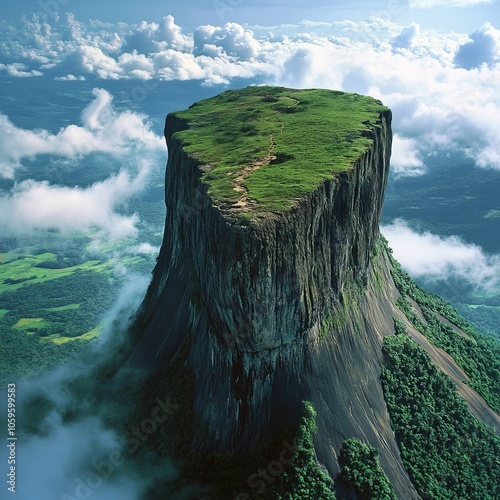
272 286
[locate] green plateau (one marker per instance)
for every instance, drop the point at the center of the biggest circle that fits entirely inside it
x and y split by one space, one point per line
250 142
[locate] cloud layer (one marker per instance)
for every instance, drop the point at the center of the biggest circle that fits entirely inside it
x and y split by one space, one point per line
437 258
102 131
483 47
442 87
85 456
39 205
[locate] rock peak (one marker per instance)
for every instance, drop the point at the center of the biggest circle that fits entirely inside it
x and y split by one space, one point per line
266 268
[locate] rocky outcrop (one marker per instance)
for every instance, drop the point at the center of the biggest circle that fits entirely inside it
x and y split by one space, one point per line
278 308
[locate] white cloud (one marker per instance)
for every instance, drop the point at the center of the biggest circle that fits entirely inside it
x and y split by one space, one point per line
171 34
19 70
143 39
437 104
143 249
405 158
152 37
482 48
427 4
70 78
41 206
94 60
103 131
173 65
231 39
72 447
407 36
426 255
31 205
136 65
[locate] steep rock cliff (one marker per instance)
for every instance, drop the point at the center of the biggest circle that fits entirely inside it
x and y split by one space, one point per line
281 307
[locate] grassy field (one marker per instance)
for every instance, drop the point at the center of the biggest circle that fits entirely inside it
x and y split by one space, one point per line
30 323
269 146
53 302
58 340
18 270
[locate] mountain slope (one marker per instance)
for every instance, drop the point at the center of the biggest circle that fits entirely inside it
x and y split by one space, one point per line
272 286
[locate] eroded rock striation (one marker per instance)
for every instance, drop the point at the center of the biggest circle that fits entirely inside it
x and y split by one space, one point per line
279 306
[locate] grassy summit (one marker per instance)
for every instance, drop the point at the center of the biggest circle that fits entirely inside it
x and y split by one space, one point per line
265 147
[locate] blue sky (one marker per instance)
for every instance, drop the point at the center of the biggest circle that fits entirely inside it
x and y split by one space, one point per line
191 13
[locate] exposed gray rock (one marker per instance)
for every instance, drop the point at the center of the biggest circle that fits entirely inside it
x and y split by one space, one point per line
281 308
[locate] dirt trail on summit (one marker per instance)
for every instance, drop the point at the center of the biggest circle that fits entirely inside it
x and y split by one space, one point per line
239 182
239 185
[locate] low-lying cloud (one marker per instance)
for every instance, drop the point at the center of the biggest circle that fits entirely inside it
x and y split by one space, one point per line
437 258
42 205
103 130
442 87
74 444
483 47
405 158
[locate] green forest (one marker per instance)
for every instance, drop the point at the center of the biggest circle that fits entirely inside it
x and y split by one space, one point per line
361 470
448 453
53 301
478 354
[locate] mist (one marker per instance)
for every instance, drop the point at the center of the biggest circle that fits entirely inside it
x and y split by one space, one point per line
73 439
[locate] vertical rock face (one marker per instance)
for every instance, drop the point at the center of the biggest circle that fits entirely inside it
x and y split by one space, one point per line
278 308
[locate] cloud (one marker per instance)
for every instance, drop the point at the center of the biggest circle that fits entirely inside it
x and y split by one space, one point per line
143 249
437 106
70 78
407 36
405 158
171 34
70 447
19 70
428 4
152 37
40 205
73 445
442 87
102 131
143 39
232 39
93 60
482 48
437 258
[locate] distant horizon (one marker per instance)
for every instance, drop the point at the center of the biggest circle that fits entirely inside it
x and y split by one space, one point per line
444 15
